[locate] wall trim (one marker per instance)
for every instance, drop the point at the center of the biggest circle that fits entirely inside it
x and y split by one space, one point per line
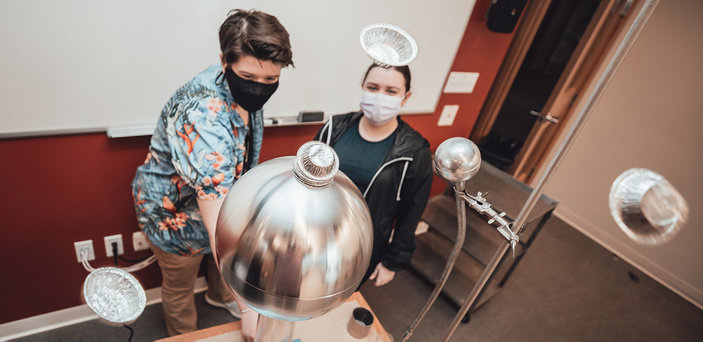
74 315
641 262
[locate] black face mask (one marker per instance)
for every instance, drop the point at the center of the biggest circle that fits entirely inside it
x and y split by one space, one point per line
248 94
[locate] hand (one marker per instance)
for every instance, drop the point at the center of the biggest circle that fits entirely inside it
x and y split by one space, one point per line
382 275
249 321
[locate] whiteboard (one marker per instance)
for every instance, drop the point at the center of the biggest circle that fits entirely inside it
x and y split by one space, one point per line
88 65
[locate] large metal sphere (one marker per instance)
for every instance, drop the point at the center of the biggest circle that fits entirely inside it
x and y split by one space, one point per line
294 236
457 160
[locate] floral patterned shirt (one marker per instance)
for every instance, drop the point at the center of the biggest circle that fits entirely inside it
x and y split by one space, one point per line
198 150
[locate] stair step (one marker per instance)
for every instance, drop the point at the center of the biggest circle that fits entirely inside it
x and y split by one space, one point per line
429 260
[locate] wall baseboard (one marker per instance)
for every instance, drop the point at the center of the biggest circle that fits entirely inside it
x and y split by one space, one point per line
631 256
77 314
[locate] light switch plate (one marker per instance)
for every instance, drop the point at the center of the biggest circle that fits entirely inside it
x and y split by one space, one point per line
461 82
448 115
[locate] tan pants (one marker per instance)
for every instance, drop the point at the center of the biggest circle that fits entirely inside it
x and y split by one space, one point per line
178 275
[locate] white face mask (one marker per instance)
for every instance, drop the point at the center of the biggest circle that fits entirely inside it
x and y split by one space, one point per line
379 108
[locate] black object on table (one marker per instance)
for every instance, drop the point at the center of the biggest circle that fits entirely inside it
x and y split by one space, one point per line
483 240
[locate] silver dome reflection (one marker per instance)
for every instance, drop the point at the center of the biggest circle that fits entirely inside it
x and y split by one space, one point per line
294 248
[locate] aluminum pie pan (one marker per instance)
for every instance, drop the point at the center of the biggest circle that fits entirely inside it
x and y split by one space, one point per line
646 207
114 295
388 45
316 164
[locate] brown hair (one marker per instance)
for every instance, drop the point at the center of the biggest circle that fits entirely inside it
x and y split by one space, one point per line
257 34
404 69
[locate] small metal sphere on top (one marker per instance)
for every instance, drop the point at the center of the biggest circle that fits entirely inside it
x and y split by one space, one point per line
457 160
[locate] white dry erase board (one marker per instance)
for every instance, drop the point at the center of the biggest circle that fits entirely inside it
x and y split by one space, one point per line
87 65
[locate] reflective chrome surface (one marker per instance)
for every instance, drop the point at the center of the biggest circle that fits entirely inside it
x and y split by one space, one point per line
289 245
388 45
647 207
457 159
114 295
276 330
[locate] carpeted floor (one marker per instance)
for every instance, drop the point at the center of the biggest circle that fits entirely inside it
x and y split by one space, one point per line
566 288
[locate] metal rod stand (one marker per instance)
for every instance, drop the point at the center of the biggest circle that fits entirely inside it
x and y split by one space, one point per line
594 96
460 236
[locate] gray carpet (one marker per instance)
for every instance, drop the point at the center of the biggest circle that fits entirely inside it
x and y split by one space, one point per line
566 288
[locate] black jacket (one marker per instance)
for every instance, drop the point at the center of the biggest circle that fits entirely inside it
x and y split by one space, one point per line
397 194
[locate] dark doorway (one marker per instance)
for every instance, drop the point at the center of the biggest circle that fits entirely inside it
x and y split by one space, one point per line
558 36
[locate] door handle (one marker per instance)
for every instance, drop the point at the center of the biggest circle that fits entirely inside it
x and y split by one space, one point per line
545 117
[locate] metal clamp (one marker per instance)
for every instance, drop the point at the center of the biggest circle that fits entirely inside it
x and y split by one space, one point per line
480 205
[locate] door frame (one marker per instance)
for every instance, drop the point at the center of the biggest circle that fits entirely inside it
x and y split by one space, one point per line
519 46
580 73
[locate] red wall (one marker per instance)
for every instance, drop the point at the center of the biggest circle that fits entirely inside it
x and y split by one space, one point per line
480 51
63 189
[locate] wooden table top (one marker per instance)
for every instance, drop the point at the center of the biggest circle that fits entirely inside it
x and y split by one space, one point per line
210 334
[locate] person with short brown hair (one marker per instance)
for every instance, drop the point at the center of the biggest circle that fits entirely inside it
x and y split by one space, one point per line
209 133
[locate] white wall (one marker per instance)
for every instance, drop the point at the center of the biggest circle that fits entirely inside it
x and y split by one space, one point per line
650 116
84 65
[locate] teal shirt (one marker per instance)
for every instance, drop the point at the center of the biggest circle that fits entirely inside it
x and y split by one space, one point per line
359 159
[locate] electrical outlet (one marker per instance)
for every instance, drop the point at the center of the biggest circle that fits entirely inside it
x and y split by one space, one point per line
139 242
108 244
87 246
